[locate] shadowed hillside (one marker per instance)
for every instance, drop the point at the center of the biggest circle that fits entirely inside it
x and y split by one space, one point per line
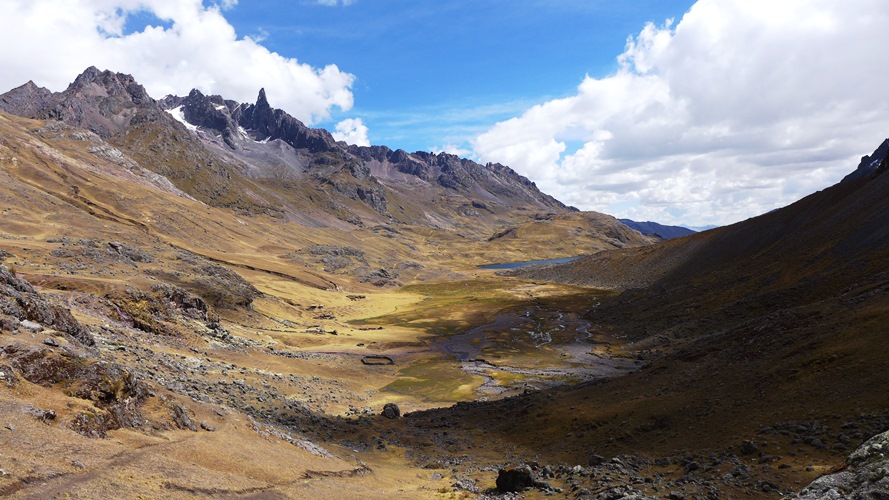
759 345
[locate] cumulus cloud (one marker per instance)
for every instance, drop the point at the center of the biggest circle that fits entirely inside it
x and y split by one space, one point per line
740 107
55 40
352 131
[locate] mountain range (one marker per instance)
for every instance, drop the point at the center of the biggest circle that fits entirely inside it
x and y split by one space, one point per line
238 155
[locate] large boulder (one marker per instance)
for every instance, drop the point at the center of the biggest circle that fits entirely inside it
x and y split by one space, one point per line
516 480
866 475
391 410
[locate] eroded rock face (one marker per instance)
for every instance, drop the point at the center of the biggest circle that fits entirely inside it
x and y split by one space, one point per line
23 303
147 311
866 475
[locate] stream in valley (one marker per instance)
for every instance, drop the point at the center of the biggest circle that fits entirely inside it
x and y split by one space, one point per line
532 348
515 265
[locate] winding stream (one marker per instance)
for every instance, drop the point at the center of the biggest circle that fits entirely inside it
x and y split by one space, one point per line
514 265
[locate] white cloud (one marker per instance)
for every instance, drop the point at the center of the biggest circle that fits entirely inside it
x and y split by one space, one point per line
55 40
452 149
740 107
335 3
226 4
352 131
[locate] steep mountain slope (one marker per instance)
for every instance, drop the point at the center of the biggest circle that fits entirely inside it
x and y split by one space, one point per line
807 251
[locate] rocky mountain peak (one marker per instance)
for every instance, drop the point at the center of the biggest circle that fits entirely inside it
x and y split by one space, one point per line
93 82
88 76
205 111
25 100
269 142
102 101
272 123
237 122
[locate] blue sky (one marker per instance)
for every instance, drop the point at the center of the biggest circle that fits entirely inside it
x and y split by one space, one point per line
430 73
681 112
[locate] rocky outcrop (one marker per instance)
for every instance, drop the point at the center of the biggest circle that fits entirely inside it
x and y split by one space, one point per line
19 302
518 480
866 475
391 411
870 164
113 390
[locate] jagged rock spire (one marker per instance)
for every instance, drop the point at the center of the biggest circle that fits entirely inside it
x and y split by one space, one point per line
261 100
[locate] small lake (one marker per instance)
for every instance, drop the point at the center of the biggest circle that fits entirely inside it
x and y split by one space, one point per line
514 265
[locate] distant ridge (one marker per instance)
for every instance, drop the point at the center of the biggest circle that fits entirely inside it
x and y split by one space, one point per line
659 230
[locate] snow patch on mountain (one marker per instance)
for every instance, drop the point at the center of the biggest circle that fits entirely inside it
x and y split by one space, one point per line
179 115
